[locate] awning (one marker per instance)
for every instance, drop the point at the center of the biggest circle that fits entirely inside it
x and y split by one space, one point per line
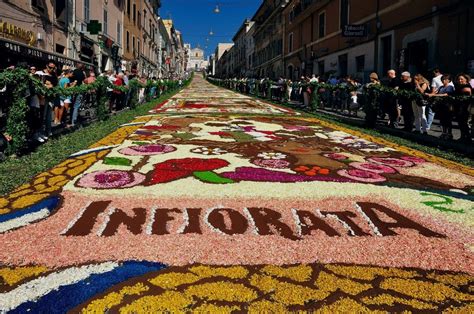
26 51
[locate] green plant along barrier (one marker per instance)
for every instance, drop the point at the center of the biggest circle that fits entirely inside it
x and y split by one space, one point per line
371 93
18 82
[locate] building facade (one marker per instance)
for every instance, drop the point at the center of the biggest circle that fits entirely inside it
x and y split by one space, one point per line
240 49
104 47
106 35
341 37
269 36
149 51
196 60
33 32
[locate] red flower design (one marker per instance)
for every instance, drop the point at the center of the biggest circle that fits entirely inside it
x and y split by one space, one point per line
175 169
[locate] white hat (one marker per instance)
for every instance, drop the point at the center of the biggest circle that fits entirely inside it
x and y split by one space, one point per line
406 73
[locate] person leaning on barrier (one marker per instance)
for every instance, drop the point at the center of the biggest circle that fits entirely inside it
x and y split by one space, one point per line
78 77
420 104
464 107
390 103
406 102
444 109
50 80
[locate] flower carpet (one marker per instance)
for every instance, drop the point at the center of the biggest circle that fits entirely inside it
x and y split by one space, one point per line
243 207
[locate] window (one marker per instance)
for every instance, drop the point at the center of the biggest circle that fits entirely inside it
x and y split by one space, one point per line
133 44
128 41
106 22
134 14
38 5
87 11
360 63
138 46
344 13
128 8
342 61
60 12
144 19
321 69
139 20
119 33
290 42
322 25
60 49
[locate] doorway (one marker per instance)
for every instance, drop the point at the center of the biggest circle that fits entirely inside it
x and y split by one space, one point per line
417 56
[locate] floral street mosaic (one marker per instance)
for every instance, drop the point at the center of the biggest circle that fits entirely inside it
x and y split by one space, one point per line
240 207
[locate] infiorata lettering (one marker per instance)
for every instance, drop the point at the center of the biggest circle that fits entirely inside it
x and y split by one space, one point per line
363 220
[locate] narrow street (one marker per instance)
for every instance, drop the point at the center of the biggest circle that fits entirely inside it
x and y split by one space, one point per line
218 202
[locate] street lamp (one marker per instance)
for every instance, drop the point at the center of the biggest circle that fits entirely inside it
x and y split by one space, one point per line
211 33
217 10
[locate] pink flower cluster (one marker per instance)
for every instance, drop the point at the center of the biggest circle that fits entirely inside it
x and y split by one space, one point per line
374 169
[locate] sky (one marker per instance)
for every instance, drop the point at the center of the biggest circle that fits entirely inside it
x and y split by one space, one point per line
196 18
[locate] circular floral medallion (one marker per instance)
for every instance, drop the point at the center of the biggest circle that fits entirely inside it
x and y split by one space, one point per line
393 162
272 155
111 179
271 163
362 175
147 150
208 151
376 168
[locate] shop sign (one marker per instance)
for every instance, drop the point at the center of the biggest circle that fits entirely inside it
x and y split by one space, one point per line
11 31
34 53
105 42
354 31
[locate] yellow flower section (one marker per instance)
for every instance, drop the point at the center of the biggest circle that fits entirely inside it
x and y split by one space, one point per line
287 293
12 276
169 301
370 273
425 290
222 291
113 299
346 305
211 308
173 280
48 183
278 289
331 283
266 307
392 300
229 272
298 273
119 135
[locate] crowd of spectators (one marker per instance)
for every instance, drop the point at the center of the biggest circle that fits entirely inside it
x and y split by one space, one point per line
46 113
442 96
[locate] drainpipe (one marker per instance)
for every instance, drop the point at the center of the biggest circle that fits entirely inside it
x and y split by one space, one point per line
376 40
